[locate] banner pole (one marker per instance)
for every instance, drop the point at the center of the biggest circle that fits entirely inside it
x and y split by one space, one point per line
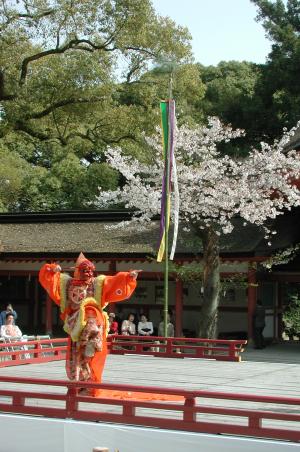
167 210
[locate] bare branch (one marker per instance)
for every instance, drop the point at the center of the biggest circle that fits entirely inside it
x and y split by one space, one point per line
24 127
84 136
11 18
130 73
35 16
142 50
4 96
62 103
72 44
129 136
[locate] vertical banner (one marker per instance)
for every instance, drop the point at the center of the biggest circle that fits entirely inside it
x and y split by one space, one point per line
168 123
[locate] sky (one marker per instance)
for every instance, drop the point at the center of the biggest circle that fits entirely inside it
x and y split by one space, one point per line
222 30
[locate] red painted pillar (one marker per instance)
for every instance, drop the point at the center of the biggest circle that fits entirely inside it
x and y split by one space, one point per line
252 295
178 308
48 315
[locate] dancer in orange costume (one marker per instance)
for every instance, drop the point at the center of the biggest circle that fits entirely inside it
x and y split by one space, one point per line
82 300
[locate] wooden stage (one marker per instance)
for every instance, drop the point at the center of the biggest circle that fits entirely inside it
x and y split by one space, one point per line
256 375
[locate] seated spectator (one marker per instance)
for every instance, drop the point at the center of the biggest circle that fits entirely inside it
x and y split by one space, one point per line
10 330
8 310
113 325
170 328
128 326
145 328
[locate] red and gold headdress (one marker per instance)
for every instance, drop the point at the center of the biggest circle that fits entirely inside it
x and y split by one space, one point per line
82 262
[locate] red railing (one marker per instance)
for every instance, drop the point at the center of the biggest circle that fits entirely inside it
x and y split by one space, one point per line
178 347
199 411
37 351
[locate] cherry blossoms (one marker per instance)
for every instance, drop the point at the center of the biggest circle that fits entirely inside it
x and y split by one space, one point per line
213 187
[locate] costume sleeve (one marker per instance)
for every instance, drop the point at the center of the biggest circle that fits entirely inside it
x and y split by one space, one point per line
50 280
117 288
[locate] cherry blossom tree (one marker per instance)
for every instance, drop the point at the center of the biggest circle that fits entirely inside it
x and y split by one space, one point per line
214 189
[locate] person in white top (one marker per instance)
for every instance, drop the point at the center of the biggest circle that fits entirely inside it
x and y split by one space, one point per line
145 328
170 328
10 330
128 326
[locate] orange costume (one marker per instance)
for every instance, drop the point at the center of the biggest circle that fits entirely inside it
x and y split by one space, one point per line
81 300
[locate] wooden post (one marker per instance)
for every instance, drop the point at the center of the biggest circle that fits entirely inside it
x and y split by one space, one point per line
100 449
178 308
252 289
48 315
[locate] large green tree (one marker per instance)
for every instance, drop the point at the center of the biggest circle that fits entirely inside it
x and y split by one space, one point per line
65 71
231 95
279 86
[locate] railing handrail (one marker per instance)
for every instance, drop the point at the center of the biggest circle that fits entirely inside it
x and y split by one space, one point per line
33 342
156 390
177 347
179 339
171 347
186 406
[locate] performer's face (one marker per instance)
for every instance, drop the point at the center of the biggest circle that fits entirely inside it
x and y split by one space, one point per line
86 273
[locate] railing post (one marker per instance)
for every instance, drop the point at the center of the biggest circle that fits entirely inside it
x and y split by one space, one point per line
169 350
232 353
38 349
254 422
71 402
189 414
128 410
14 357
18 400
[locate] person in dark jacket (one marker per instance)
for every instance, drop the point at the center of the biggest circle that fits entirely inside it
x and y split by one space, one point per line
259 323
8 310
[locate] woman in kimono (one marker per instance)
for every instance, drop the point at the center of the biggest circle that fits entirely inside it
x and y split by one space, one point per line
81 300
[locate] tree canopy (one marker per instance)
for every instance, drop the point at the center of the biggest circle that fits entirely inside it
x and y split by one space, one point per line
231 95
214 189
279 85
64 69
76 78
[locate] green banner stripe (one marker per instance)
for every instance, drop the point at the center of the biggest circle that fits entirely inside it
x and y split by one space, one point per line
165 125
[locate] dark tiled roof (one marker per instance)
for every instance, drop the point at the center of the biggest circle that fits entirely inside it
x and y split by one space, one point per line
48 234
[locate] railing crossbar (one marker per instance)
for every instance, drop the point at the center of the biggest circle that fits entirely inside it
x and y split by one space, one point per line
187 414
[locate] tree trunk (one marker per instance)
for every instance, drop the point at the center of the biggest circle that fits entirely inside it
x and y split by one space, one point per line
211 284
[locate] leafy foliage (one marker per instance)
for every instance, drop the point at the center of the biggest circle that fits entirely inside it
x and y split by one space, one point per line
231 95
64 69
214 189
291 316
279 85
